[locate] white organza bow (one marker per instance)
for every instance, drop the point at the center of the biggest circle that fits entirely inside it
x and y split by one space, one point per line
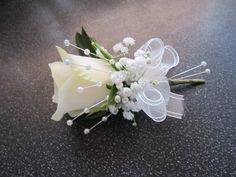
157 101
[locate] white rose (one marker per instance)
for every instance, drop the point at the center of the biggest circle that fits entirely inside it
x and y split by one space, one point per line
67 78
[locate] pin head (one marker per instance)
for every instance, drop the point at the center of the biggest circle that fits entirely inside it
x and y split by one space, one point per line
86 131
67 62
203 63
86 110
99 83
66 42
208 71
80 89
112 62
104 118
69 122
86 51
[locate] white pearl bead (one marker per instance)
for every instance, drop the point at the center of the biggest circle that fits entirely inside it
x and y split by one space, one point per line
112 62
127 91
66 61
86 131
208 71
203 63
119 86
69 122
80 89
86 51
86 110
118 65
104 118
134 124
117 99
99 83
66 42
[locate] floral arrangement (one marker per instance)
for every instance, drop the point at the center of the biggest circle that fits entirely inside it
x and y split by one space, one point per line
100 84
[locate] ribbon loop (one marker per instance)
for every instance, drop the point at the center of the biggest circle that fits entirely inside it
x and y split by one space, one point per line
155 47
170 58
152 103
156 100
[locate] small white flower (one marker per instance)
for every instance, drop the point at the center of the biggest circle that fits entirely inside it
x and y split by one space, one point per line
128 115
142 83
119 86
128 106
118 77
124 50
139 52
141 63
131 65
132 77
136 107
113 109
128 41
117 47
135 87
148 59
133 96
125 107
118 65
123 61
112 62
122 75
125 100
117 99
127 92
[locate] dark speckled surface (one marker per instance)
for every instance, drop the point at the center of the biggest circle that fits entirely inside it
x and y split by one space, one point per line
201 144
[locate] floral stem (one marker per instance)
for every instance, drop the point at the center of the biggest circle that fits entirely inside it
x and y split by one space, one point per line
186 81
119 56
105 53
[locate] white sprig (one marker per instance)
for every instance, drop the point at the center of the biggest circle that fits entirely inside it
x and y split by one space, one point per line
128 41
124 50
113 109
128 115
117 47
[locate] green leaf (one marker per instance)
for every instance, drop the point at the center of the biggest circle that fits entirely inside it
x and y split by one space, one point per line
83 41
108 86
105 53
87 40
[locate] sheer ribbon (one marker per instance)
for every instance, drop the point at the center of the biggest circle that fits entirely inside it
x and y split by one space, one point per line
157 101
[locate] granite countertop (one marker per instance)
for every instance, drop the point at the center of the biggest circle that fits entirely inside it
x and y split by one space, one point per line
203 143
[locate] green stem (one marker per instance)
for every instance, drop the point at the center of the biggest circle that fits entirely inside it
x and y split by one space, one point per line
105 53
186 81
119 56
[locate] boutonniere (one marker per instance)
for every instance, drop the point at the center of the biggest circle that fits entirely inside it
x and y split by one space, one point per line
100 83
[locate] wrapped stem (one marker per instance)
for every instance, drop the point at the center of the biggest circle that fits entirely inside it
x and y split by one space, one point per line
186 81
